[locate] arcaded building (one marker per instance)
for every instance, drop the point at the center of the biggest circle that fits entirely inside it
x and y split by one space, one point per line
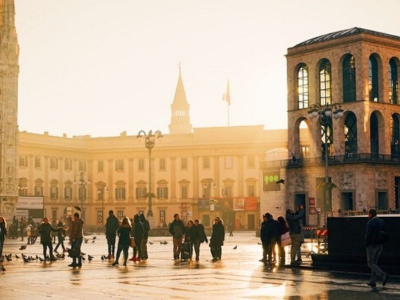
343 88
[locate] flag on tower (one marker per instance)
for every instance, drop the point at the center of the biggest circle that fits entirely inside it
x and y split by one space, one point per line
227 96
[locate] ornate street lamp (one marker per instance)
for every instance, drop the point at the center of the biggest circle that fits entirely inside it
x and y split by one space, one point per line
82 190
149 142
324 114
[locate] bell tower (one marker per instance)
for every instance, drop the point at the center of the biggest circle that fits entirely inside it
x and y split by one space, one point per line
180 119
9 70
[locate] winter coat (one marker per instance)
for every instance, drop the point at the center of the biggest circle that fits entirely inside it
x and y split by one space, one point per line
374 225
177 229
3 231
138 231
124 234
198 233
76 230
112 225
45 233
218 234
294 222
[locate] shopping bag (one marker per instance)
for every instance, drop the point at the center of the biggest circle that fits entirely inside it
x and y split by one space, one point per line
285 239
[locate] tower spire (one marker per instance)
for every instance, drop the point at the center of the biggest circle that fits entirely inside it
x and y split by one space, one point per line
180 119
7 13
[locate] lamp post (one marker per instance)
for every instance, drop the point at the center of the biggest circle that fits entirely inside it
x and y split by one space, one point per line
101 196
149 142
324 114
82 189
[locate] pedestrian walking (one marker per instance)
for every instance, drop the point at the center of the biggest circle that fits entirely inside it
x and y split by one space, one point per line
60 236
374 239
265 238
124 239
298 254
138 235
294 224
177 229
143 245
112 225
46 239
197 237
76 237
284 229
187 247
230 228
3 233
217 239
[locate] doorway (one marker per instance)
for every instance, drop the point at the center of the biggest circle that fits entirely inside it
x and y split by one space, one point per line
347 201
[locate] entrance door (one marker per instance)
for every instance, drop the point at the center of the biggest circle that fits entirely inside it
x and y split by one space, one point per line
382 203
300 199
251 225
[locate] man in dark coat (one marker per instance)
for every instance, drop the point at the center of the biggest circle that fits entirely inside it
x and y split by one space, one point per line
197 236
143 244
177 229
112 225
217 239
374 244
295 228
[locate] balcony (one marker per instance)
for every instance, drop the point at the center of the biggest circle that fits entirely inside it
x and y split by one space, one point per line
353 158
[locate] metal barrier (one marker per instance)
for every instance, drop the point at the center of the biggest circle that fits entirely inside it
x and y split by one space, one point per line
322 240
310 232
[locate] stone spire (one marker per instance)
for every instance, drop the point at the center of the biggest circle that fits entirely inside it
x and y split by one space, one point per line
180 119
9 70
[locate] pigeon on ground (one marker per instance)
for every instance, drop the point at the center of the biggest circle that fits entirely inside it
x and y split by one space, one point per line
40 259
95 237
234 248
23 247
90 257
2 268
150 243
103 257
93 241
16 256
86 240
26 259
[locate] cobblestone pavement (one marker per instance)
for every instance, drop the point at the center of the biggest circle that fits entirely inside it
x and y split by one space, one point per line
239 275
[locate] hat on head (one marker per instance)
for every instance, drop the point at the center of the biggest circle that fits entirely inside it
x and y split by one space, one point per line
217 218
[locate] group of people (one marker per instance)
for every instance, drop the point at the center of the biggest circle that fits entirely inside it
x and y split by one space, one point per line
272 231
189 237
126 230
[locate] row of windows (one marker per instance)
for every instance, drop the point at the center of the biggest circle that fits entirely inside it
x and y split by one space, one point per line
119 164
120 192
348 80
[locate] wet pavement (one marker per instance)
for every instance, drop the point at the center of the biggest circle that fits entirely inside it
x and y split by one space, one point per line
239 275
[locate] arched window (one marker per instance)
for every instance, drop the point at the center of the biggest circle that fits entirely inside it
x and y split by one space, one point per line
302 86
374 134
393 82
373 79
349 79
395 140
325 91
350 134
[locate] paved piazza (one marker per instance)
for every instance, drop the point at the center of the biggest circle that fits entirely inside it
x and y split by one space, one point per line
239 275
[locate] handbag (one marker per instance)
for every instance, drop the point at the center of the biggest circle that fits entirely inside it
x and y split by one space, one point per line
132 242
74 252
285 239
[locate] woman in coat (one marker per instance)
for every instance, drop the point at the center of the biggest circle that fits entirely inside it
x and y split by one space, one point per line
124 240
217 239
46 239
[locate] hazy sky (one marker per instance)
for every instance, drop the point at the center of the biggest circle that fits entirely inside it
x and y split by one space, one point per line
100 67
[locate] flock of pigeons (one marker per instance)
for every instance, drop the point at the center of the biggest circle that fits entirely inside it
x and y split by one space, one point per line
58 256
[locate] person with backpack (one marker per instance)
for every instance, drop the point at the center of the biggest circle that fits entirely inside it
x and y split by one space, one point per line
177 229
375 236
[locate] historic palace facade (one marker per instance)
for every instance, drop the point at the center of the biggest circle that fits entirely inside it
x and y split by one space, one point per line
343 87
